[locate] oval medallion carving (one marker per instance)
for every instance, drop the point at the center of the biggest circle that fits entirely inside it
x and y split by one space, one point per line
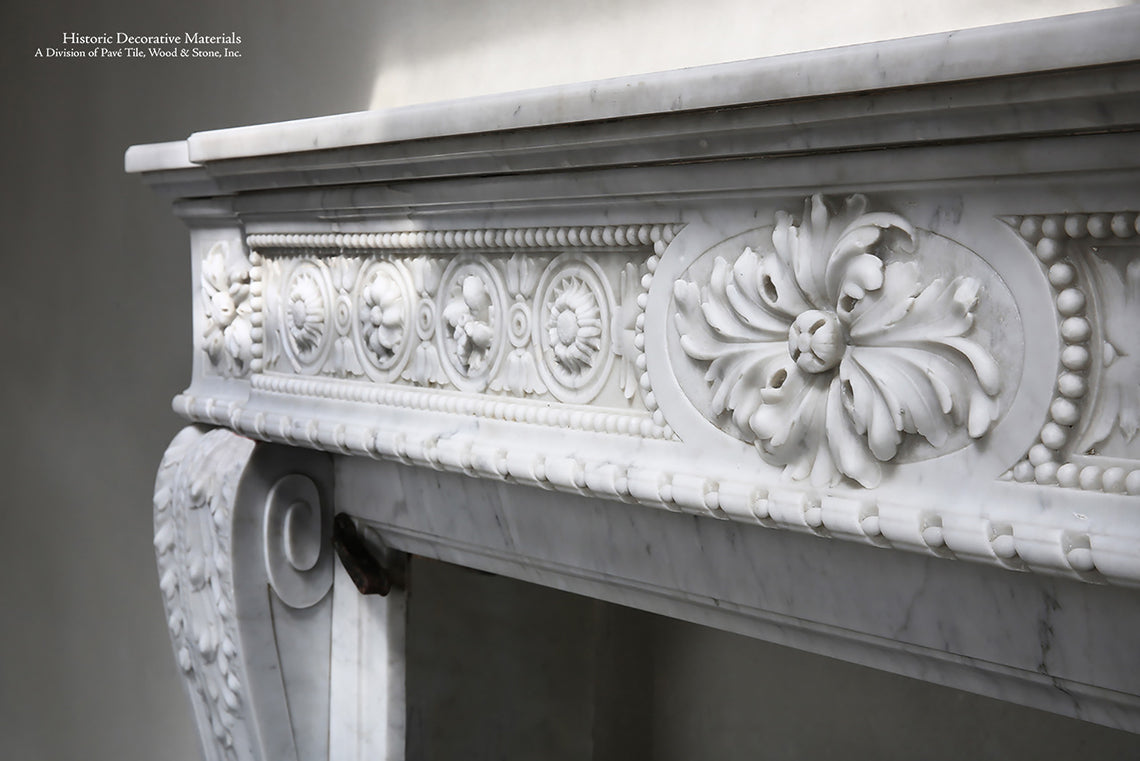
842 340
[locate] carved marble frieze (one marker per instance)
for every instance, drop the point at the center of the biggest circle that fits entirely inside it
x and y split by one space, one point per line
845 346
519 324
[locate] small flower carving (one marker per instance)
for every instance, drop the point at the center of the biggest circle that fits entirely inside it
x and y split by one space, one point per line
382 317
574 327
305 314
228 335
468 318
826 351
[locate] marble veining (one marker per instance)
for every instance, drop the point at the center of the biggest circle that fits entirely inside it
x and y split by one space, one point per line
834 350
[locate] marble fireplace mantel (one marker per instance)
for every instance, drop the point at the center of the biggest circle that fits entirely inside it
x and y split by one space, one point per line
836 350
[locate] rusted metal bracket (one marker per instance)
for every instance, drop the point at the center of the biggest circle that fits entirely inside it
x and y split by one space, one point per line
370 574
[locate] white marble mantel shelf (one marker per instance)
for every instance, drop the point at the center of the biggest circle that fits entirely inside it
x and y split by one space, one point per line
837 350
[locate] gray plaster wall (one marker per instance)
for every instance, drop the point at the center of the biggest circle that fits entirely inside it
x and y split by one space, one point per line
94 338
95 330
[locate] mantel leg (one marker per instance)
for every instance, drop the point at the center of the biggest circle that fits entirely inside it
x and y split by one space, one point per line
243 535
368 699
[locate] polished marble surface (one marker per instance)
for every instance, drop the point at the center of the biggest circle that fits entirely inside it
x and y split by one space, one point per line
830 352
1026 47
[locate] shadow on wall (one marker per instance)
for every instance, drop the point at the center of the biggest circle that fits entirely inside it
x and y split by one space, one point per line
96 335
443 49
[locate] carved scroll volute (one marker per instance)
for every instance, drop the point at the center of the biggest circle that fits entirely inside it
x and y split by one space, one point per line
232 520
839 341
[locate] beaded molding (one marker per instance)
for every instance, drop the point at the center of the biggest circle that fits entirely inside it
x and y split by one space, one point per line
640 363
496 408
257 317
1049 460
597 236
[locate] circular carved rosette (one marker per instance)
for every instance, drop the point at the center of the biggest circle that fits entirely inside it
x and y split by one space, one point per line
425 320
471 322
298 550
572 328
385 309
305 305
518 323
342 314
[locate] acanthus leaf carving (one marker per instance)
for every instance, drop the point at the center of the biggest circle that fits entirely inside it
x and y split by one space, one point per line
194 497
345 362
1119 394
826 351
522 275
522 375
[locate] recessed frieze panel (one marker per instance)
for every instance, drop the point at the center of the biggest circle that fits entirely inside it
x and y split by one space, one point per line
511 324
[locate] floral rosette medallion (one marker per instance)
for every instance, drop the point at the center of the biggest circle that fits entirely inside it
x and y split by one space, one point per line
227 336
829 351
304 317
573 329
384 318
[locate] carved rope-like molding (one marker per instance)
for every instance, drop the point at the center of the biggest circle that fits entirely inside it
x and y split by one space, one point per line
1015 545
1097 382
